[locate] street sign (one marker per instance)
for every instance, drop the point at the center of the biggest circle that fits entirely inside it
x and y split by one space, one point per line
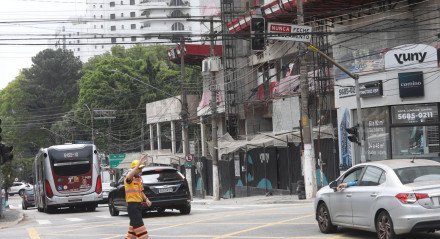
115 159
275 27
188 164
189 158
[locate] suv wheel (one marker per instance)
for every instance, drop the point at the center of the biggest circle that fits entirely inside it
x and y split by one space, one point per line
21 192
185 210
111 207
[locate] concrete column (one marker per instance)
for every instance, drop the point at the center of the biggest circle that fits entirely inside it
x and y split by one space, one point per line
159 137
151 137
173 137
203 137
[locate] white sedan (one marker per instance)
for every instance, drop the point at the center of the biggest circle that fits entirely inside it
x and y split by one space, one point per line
391 197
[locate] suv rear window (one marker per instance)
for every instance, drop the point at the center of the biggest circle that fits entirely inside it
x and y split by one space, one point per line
418 174
161 175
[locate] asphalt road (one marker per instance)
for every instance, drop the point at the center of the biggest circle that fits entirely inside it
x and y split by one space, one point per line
259 221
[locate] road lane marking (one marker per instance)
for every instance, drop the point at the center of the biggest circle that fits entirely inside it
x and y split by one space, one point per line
262 226
33 234
44 222
74 219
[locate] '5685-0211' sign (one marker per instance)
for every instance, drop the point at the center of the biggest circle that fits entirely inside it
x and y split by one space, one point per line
414 113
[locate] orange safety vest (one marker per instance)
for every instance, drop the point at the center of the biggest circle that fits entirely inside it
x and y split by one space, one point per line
133 190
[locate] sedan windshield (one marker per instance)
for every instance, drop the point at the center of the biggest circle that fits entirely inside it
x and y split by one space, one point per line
418 174
160 176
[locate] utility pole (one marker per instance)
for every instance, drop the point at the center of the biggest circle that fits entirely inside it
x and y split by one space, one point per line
213 86
308 161
184 114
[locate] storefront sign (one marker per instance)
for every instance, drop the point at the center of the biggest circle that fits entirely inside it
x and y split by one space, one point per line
411 84
367 89
376 121
411 56
414 113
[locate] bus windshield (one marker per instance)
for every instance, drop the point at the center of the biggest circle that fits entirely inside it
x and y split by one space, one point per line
71 162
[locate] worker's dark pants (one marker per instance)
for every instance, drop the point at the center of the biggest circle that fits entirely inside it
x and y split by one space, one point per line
137 228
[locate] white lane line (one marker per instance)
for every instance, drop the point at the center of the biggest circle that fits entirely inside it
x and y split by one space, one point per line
44 222
74 219
108 216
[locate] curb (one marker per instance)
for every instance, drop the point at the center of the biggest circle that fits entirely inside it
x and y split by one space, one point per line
12 223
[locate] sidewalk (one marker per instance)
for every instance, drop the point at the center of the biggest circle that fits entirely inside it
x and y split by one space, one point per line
11 217
275 199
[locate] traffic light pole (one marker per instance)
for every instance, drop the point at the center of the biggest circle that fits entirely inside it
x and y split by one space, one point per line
358 99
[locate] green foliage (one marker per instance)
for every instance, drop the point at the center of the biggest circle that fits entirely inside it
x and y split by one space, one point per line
47 103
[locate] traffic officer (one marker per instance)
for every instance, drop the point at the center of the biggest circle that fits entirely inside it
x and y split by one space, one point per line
135 198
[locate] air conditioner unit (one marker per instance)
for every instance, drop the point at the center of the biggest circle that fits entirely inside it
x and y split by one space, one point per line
215 63
211 64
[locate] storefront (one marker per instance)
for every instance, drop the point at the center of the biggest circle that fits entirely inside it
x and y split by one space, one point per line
400 106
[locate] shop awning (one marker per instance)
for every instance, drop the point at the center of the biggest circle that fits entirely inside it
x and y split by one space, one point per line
285 11
226 144
194 53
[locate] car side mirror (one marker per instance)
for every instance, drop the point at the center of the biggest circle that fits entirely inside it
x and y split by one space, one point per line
333 185
113 184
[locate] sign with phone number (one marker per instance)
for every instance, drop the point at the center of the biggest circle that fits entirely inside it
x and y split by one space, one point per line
414 113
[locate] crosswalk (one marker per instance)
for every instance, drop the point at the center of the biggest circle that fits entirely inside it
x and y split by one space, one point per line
195 208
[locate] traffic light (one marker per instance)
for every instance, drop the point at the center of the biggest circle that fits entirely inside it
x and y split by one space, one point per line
354 134
6 153
258 29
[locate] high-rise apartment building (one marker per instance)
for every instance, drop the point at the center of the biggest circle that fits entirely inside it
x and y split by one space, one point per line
127 22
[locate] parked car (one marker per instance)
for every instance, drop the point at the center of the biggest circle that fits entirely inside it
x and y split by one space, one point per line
28 198
165 187
18 188
106 188
391 197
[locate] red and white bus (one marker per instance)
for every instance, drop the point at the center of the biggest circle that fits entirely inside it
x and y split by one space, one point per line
67 176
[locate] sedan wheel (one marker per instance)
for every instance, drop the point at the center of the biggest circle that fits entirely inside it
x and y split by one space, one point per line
324 221
111 207
384 226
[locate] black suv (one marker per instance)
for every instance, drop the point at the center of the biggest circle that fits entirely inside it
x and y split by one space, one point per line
166 188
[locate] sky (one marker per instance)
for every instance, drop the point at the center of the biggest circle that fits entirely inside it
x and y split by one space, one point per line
13 58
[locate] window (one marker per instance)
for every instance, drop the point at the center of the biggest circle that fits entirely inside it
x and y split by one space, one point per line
77 33
177 27
102 36
113 39
96 46
122 14
94 36
101 16
132 2
176 3
112 16
123 39
132 14
147 24
133 26
353 175
77 41
418 174
94 16
122 26
122 2
176 13
415 131
377 132
113 28
147 38
112 4
102 26
103 45
94 26
373 176
100 6
133 38
94 6
78 49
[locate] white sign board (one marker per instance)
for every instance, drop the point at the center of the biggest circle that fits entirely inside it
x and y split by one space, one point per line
411 56
283 28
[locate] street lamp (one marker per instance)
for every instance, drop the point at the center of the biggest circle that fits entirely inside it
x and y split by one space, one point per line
91 118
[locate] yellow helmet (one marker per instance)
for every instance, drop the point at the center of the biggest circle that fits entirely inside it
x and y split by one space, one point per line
135 162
